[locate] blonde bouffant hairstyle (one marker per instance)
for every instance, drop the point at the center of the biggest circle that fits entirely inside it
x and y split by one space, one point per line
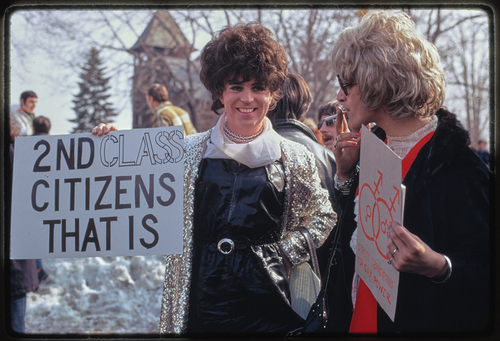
392 63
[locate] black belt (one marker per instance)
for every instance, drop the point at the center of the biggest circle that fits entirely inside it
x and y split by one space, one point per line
226 246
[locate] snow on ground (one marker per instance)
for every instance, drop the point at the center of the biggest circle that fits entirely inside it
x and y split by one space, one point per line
98 295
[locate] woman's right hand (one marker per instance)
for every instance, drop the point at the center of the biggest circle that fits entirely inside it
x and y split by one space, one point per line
346 148
103 129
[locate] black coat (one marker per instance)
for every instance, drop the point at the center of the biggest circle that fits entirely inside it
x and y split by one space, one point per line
297 131
447 206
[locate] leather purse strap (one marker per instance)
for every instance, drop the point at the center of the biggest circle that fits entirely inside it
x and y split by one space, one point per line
312 250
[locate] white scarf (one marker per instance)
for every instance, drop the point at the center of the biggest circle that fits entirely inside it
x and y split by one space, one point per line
262 151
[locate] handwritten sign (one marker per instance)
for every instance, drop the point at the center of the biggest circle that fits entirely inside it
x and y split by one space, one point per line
380 202
84 196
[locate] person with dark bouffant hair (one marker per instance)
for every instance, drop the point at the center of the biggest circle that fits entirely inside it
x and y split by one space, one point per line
250 199
254 54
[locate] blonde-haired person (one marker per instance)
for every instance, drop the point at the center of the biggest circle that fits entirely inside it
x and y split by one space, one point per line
391 75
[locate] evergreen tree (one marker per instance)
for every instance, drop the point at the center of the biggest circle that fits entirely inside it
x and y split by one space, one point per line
91 107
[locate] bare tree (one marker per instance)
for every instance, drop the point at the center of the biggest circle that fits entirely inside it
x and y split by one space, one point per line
307 34
56 35
462 40
308 37
469 75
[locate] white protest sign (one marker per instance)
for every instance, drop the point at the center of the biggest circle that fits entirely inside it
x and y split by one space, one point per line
81 195
380 202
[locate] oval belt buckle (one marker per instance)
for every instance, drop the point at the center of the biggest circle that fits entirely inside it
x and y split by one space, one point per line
223 242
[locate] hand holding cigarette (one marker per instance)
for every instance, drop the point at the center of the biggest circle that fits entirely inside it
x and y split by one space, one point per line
346 146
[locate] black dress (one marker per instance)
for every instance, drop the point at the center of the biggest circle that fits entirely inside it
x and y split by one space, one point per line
240 289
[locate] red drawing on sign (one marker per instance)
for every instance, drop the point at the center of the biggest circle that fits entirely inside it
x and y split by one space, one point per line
373 225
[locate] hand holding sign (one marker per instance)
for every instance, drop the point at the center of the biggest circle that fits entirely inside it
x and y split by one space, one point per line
381 199
103 129
412 254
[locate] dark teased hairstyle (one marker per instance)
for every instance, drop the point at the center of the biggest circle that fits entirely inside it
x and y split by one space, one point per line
296 99
41 125
246 51
27 94
158 92
328 109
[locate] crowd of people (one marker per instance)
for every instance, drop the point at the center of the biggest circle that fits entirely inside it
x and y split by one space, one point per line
259 187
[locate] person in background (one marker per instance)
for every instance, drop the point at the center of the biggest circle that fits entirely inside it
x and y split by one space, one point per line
483 152
23 117
41 126
287 120
248 193
327 127
23 272
165 114
391 75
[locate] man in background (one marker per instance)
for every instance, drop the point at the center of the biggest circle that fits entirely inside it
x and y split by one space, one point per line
165 114
287 119
23 117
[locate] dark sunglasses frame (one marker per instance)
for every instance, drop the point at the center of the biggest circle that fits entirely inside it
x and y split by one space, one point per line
329 123
344 86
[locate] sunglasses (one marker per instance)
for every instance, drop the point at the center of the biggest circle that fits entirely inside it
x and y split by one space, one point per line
344 86
330 120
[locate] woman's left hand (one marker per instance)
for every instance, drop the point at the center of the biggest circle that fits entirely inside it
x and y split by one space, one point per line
408 253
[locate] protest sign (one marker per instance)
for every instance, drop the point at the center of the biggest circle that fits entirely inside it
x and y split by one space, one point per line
381 198
81 195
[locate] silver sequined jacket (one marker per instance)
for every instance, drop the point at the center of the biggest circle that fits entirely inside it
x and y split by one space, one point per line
306 204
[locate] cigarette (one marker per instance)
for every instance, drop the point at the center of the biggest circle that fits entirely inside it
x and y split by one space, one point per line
331 117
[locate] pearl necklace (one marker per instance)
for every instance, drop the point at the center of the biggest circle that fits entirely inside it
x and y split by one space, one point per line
236 138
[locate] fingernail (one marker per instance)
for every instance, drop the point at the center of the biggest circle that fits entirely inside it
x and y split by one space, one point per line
356 134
